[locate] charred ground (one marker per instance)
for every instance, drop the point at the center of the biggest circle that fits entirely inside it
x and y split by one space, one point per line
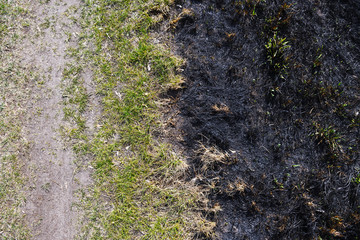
270 115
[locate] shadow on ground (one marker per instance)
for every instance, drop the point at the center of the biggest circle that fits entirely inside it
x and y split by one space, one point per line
270 115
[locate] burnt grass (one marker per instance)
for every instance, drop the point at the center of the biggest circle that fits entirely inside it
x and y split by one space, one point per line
287 123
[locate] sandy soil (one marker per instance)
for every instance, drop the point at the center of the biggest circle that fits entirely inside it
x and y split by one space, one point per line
49 209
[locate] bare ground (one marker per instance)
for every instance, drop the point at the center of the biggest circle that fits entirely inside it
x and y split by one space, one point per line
49 208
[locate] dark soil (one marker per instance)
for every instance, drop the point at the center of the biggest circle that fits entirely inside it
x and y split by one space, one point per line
288 123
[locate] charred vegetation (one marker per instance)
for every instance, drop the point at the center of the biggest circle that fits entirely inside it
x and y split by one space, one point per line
270 115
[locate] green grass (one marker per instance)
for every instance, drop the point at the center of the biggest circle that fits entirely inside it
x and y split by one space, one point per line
138 192
276 49
329 137
13 96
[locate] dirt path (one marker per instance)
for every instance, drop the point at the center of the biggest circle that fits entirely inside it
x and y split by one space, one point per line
49 210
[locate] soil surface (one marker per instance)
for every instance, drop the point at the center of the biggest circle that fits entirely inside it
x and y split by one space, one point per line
272 132
49 208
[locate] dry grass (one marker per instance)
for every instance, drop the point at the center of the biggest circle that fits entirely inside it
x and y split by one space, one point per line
221 108
212 156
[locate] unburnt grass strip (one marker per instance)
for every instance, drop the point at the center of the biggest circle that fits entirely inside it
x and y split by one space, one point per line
13 96
138 190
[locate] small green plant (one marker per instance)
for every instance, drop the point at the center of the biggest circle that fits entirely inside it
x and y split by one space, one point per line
248 7
317 61
341 110
356 179
328 136
278 184
276 54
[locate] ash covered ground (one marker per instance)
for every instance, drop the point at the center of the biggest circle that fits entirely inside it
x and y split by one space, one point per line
270 115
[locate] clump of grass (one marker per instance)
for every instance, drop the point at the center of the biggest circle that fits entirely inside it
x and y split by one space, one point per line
329 137
276 54
138 192
212 156
236 187
277 47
